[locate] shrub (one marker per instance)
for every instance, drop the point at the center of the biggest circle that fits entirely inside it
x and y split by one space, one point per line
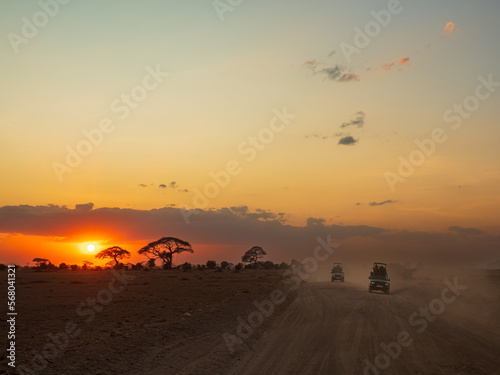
284 266
238 267
74 267
63 266
3 267
211 264
268 265
186 267
224 265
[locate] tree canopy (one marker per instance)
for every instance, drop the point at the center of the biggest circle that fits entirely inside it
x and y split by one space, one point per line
253 255
40 261
165 248
115 252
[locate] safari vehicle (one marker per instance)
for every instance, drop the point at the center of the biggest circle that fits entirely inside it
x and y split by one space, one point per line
379 279
337 272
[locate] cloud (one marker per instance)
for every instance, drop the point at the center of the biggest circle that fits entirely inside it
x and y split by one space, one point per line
349 77
335 73
258 214
84 207
314 221
448 29
320 136
390 201
345 138
310 63
233 230
397 62
348 141
358 121
171 185
388 66
465 232
404 60
237 225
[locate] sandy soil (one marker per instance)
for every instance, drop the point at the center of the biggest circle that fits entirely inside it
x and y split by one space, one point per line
162 322
170 322
335 328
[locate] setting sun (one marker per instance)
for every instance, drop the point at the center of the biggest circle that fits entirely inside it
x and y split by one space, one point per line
91 248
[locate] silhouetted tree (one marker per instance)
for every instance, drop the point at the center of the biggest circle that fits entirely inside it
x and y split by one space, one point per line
165 248
186 267
74 267
87 265
211 264
41 262
3 267
151 263
63 266
253 255
115 252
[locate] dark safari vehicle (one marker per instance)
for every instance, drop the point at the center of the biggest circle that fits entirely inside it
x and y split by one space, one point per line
337 272
379 280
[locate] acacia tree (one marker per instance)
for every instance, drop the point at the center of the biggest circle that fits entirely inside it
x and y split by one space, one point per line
165 248
253 255
41 262
87 265
115 252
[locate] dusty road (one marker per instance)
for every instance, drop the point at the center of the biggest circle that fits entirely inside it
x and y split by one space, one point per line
335 328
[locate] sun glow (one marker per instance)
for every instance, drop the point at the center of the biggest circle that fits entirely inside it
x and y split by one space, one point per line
90 247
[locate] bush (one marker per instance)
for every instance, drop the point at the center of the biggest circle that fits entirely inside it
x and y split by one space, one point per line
219 269
284 266
224 265
74 267
186 267
211 264
3 267
238 267
63 266
268 265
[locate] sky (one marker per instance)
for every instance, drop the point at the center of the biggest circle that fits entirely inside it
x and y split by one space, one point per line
375 122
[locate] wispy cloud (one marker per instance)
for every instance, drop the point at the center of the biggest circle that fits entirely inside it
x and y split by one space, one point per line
390 201
465 232
448 29
358 121
396 63
333 73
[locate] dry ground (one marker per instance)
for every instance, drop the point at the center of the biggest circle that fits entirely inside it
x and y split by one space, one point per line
170 322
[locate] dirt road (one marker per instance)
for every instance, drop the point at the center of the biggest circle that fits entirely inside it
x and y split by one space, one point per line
338 328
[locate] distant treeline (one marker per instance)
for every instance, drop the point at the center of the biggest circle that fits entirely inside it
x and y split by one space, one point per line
47 266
